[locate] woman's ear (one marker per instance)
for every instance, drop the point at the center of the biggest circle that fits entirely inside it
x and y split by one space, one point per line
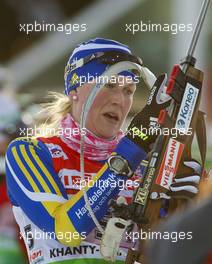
73 96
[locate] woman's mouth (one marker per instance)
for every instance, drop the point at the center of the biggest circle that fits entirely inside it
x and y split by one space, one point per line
112 117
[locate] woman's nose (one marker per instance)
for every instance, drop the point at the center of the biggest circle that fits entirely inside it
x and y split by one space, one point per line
118 97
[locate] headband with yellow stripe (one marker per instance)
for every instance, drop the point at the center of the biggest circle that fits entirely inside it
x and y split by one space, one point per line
84 61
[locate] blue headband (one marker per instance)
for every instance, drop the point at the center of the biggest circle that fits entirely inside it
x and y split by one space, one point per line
94 68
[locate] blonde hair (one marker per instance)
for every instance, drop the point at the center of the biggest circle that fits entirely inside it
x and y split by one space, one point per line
52 113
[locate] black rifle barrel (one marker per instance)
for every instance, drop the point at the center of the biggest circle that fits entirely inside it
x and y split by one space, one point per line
198 27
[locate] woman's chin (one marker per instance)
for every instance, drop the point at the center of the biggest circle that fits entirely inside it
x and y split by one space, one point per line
104 130
107 134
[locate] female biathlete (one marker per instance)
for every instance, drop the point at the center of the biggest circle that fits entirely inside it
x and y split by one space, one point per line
43 173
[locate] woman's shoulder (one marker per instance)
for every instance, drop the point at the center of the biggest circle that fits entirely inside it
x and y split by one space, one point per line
44 147
32 141
27 144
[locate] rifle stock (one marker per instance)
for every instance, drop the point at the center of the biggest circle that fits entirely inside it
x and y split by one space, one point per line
168 153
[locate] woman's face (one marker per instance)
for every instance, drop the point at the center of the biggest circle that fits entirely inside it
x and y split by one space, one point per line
110 107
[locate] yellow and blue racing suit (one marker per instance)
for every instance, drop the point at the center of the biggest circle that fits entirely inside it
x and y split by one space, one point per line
43 181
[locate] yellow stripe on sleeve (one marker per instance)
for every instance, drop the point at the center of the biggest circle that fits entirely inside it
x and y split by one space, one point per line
24 170
34 170
63 224
64 228
49 205
45 171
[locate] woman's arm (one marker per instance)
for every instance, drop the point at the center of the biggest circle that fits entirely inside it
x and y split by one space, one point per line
34 186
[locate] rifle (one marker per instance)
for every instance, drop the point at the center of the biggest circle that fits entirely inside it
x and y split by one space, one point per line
168 153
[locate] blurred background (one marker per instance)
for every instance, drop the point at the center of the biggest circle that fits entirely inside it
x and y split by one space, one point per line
32 63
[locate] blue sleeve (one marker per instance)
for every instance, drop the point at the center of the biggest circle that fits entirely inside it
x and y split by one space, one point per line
33 183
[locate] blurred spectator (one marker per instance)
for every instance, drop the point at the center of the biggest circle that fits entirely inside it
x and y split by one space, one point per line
10 244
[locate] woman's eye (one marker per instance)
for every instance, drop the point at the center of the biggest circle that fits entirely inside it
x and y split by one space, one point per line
129 92
110 85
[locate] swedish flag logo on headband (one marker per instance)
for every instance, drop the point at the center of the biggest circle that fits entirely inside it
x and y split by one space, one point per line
74 79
